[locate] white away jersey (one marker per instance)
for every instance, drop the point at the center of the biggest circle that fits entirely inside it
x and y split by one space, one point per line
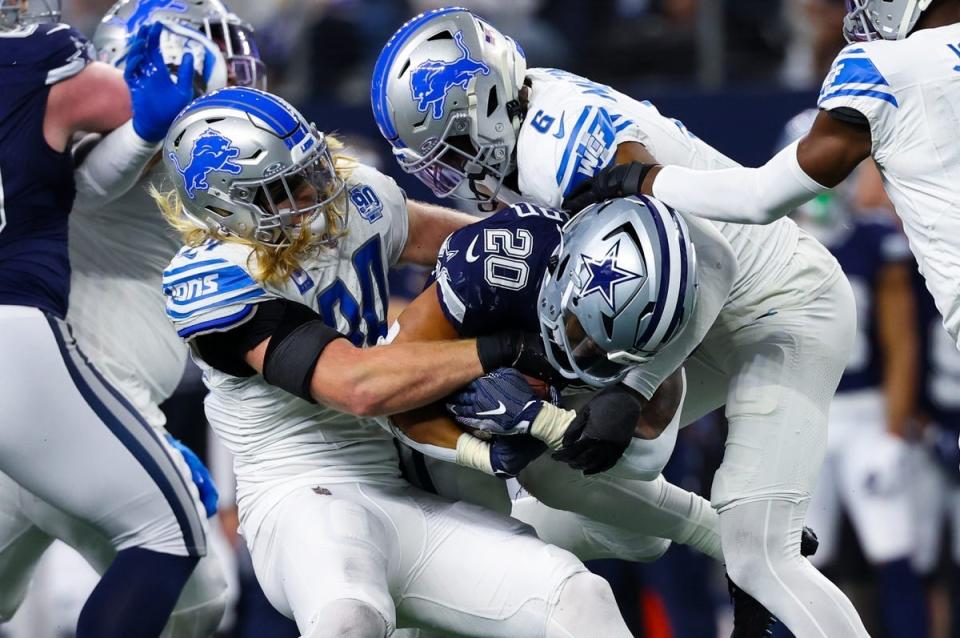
909 91
572 131
117 254
272 434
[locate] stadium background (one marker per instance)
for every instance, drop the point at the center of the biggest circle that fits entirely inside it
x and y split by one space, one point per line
734 71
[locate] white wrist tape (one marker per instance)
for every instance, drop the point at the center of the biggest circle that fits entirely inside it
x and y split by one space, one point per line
739 195
474 453
551 424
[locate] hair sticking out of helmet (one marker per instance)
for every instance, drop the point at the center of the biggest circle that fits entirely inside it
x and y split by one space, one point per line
18 13
624 286
248 168
445 94
881 19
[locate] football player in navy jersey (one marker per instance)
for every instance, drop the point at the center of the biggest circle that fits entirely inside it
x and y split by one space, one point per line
68 436
865 472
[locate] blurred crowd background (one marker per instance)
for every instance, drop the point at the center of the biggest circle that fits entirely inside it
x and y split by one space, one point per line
734 71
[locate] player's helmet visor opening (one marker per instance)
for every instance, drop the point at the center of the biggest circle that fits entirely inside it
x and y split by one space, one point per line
15 13
301 197
239 47
456 166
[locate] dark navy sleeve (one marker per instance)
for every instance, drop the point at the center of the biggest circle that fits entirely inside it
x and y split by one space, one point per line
45 54
488 274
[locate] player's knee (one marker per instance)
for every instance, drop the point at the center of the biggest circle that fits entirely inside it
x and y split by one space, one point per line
348 618
586 592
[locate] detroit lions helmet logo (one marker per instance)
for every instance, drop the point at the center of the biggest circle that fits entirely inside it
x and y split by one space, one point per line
211 152
146 7
432 80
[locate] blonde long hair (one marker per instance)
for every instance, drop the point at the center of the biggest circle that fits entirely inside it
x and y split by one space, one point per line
268 264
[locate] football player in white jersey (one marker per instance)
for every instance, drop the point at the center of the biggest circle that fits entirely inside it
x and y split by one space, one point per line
465 116
893 95
286 239
119 245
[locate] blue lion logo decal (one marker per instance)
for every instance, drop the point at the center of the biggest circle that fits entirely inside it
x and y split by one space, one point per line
211 152
432 80
146 7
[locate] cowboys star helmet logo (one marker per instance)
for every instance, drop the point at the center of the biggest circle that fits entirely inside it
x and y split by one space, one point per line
605 274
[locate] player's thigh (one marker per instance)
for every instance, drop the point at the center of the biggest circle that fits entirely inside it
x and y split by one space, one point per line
74 441
474 572
585 538
629 504
874 480
22 544
784 371
824 513
707 385
315 548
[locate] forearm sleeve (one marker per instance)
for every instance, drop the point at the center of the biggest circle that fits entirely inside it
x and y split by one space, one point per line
739 195
112 168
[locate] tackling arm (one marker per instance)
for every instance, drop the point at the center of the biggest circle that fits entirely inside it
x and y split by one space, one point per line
825 157
385 379
429 225
94 100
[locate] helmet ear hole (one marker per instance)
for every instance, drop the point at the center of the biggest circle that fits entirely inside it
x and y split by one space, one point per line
493 101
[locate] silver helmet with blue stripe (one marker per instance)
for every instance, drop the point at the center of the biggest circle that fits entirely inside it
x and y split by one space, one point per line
620 287
445 94
190 26
247 164
17 13
882 19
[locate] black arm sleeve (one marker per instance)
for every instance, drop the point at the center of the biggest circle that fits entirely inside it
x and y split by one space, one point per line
227 351
297 338
850 116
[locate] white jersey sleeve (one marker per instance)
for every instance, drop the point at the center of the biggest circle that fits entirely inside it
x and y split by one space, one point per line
717 271
574 127
375 196
856 82
210 289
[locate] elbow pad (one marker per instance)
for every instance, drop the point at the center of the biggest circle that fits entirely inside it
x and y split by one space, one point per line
294 349
739 195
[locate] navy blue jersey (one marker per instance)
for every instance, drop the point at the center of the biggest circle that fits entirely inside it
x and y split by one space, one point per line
939 388
871 243
488 274
36 182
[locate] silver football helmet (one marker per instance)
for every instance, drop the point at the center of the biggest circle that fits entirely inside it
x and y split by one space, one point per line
886 19
16 13
247 164
621 286
445 94
232 36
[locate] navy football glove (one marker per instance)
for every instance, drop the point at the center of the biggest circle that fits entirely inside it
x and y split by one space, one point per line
601 431
501 402
200 475
510 454
156 99
620 180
